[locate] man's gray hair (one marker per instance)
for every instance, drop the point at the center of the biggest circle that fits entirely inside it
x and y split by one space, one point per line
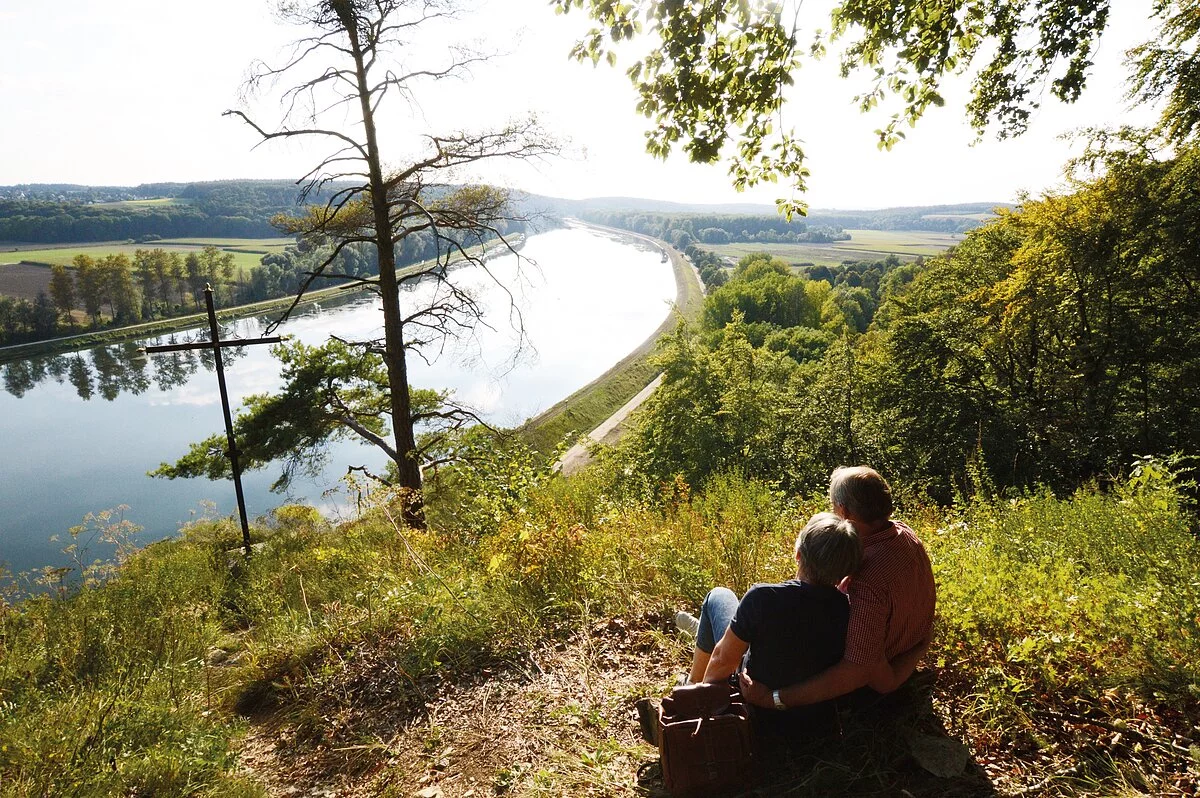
862 491
828 549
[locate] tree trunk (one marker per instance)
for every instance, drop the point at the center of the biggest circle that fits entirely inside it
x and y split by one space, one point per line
407 468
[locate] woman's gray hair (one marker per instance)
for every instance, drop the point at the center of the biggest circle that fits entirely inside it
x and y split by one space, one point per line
828 549
862 491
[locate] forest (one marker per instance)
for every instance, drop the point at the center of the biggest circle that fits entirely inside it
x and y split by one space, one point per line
69 214
1052 347
682 230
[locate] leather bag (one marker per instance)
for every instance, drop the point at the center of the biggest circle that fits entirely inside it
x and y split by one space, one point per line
705 741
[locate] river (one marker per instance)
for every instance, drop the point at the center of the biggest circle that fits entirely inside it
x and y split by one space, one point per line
79 431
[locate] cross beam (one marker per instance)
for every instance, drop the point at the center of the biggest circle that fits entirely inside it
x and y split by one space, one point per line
216 345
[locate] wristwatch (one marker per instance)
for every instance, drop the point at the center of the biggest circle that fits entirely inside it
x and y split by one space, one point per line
778 700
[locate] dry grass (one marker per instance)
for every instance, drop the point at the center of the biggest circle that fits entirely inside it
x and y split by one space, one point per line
559 722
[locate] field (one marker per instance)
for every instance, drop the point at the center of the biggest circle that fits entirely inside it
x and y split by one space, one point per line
863 245
143 203
247 252
24 280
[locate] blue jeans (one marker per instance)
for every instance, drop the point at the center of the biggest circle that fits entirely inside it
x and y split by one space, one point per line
715 615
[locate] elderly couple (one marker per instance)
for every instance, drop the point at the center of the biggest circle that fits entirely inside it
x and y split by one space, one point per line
856 619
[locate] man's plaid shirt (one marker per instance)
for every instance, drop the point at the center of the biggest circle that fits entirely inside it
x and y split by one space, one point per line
891 597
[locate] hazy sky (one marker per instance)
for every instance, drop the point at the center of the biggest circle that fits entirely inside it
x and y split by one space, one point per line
131 91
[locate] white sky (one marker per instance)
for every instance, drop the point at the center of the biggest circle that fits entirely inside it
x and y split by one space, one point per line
131 91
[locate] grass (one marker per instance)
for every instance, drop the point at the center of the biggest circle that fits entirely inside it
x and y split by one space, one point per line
386 659
863 245
244 256
260 245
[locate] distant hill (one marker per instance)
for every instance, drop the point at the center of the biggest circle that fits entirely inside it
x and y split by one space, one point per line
65 213
955 218
60 213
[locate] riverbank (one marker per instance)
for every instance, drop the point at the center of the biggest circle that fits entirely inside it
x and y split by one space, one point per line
589 407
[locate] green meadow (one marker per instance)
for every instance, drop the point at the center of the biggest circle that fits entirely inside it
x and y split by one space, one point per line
144 203
247 252
863 245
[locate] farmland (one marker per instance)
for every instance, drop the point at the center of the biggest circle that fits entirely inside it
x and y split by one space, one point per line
24 280
158 202
247 252
863 245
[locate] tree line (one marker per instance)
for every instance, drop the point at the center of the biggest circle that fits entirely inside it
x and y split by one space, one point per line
47 222
222 209
117 290
683 230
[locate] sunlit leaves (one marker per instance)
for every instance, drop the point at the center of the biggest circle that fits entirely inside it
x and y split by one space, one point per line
713 76
1167 70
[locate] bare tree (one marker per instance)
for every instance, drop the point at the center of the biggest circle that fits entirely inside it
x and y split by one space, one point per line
346 70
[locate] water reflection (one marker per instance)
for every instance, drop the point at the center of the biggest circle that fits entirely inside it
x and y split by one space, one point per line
118 368
81 430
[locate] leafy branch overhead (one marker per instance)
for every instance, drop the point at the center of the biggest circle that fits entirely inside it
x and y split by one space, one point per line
712 75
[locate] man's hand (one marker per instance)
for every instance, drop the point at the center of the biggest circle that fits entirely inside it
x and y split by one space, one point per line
837 680
754 692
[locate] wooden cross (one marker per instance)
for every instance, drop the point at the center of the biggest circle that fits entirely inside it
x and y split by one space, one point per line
216 345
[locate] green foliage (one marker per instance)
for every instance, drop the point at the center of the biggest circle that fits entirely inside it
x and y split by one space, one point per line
713 78
491 477
1050 347
763 291
22 320
682 229
1071 603
101 693
1059 340
715 410
1168 68
909 50
227 209
62 289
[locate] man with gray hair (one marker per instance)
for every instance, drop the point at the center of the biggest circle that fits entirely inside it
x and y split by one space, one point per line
892 600
785 632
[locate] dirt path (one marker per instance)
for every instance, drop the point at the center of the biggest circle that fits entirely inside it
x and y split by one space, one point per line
609 432
560 721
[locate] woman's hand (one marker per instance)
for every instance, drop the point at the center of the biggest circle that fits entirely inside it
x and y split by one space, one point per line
754 692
